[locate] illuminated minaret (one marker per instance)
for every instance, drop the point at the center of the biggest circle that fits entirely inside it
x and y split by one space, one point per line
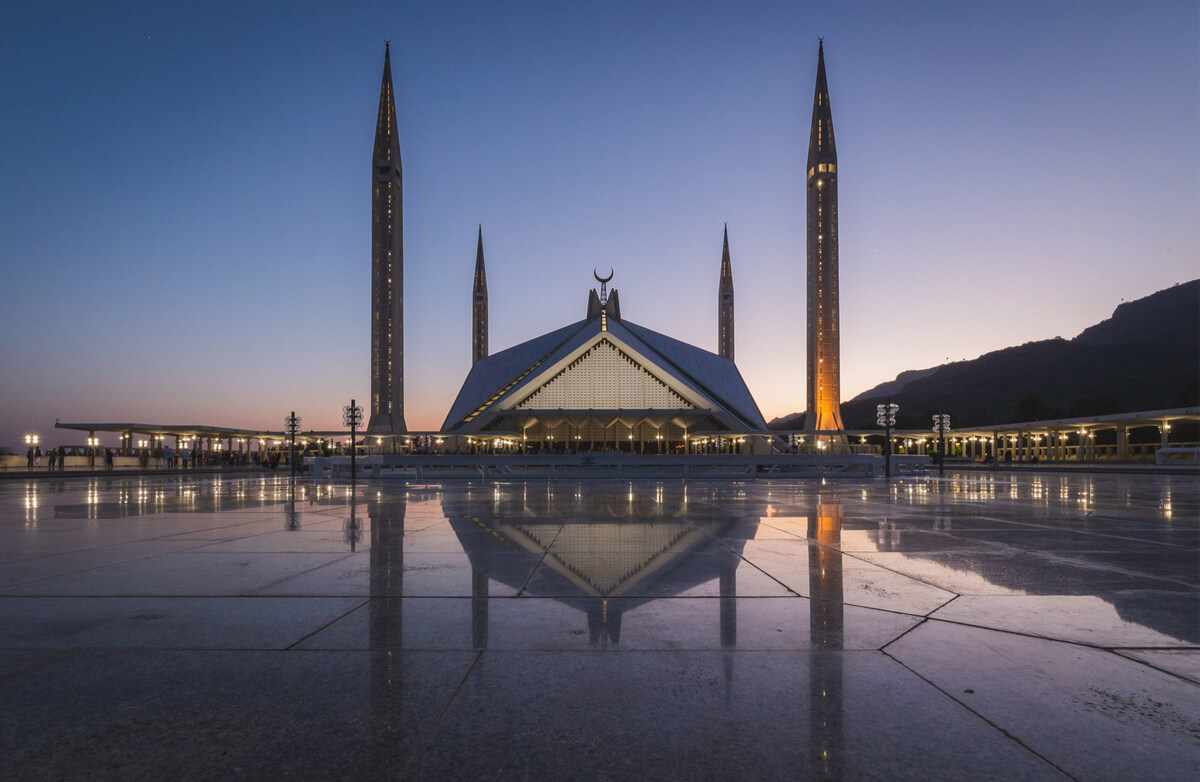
479 313
725 304
824 354
387 268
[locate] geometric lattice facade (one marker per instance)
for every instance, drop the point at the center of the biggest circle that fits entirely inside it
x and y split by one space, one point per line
604 378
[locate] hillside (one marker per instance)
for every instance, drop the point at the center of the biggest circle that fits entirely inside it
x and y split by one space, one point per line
1145 357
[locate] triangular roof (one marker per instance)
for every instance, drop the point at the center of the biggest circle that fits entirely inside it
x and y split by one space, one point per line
705 380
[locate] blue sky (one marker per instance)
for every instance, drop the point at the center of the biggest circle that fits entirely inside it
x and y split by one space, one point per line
185 202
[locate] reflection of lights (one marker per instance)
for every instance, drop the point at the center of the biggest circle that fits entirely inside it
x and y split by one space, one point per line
31 505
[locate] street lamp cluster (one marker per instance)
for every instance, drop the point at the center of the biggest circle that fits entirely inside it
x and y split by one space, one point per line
352 416
941 427
885 416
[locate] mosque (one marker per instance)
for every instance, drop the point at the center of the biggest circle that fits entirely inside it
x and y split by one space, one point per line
604 382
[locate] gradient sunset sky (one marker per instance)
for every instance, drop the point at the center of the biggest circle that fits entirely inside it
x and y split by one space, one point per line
185 187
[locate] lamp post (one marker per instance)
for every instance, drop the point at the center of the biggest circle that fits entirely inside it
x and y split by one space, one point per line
941 427
31 440
291 425
352 416
885 416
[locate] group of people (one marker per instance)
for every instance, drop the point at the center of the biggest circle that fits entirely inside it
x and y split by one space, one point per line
56 457
165 456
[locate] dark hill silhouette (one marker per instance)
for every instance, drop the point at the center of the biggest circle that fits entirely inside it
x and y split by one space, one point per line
1145 357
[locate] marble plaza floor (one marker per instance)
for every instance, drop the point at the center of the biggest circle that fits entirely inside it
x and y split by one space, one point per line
984 626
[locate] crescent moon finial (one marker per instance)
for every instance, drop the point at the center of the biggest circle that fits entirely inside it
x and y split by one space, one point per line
600 279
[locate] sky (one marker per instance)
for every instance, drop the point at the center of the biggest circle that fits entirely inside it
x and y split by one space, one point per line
185 188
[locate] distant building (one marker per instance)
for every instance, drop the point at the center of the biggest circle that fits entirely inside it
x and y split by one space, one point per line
387 268
604 383
824 352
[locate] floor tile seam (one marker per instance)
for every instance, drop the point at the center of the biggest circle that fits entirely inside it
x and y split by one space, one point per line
306 572
1062 559
1117 650
152 596
891 611
325 626
915 626
541 561
651 651
754 565
970 533
86 569
1192 648
231 528
621 650
1046 638
858 556
995 726
427 739
97 649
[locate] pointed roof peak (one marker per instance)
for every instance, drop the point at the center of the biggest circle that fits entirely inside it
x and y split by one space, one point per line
726 264
480 274
387 142
821 145
822 86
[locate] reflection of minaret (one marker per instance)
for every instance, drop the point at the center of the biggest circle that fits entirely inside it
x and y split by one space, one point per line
725 304
728 620
387 267
826 624
384 618
824 352
479 307
604 623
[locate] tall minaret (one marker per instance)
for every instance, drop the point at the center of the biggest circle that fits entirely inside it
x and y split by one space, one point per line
725 304
824 354
387 268
479 313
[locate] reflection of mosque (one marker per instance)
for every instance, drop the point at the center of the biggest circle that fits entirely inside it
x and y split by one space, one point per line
605 555
1024 565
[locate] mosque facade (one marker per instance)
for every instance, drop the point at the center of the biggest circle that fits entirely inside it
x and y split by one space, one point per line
603 383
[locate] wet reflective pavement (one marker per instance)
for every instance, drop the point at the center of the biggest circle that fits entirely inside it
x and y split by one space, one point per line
987 626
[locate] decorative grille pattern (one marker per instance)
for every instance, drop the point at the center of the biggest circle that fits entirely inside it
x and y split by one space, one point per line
604 378
606 555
